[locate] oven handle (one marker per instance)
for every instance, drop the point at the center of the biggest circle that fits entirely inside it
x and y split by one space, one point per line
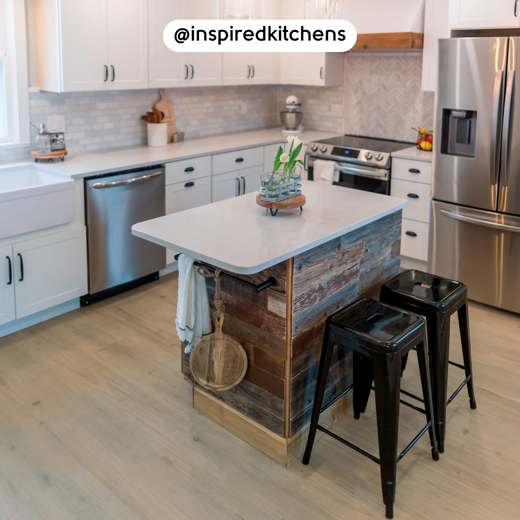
378 174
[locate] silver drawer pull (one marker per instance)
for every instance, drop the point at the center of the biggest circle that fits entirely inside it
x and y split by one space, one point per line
135 180
480 222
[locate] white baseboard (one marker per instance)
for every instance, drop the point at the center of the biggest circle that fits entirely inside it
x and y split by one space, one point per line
412 263
38 317
170 268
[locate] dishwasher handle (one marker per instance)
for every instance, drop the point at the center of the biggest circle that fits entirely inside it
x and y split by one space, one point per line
135 180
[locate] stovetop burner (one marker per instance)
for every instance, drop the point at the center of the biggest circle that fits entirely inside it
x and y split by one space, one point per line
367 143
369 151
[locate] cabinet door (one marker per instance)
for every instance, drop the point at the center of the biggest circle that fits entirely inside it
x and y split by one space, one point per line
202 69
50 270
304 68
187 195
165 65
84 45
199 9
127 44
250 179
7 307
226 186
483 14
265 68
237 68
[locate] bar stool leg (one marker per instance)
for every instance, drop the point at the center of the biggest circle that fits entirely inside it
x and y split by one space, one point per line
321 383
438 326
363 377
427 396
387 379
466 351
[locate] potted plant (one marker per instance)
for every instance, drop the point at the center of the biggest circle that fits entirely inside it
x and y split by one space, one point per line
284 181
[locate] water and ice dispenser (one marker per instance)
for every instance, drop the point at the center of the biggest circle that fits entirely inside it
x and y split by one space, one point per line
459 132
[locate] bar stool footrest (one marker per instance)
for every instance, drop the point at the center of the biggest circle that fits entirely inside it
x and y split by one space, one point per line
332 401
462 385
462 367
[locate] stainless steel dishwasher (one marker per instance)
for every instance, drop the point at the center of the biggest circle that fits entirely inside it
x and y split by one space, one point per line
117 260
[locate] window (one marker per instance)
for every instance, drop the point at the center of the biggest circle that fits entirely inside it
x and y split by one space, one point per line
14 97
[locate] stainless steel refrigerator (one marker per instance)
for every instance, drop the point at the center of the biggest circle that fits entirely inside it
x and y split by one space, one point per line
475 232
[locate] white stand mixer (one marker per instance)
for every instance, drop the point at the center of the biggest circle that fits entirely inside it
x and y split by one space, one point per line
291 119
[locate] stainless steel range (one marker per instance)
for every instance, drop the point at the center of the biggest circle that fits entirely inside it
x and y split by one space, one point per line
364 163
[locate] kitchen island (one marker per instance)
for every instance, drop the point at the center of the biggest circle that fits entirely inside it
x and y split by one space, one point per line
343 245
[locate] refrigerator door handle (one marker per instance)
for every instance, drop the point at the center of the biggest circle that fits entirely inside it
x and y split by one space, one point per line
495 129
506 133
480 222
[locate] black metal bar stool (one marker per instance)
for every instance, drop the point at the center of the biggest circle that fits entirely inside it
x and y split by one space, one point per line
379 335
436 299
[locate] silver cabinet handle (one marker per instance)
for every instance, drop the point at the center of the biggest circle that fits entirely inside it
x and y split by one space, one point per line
192 71
237 191
248 71
243 185
480 222
497 117
135 180
321 73
253 67
187 72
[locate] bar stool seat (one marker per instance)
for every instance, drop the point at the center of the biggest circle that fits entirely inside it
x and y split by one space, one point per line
380 335
436 299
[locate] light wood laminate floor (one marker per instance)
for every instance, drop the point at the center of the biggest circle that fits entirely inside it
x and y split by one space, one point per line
96 423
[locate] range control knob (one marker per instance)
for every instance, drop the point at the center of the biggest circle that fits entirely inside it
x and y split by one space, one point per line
323 149
368 156
314 147
379 157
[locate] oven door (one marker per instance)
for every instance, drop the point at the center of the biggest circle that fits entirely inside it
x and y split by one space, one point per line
358 177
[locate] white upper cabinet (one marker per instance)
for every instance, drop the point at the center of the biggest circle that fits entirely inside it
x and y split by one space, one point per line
436 25
177 69
166 68
127 44
484 14
84 63
92 45
312 68
243 68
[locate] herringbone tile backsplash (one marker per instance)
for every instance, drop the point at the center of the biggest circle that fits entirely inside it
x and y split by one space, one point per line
381 97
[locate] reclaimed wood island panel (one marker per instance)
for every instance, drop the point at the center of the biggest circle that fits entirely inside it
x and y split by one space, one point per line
344 246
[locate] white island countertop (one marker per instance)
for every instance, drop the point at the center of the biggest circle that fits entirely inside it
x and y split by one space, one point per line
90 164
239 236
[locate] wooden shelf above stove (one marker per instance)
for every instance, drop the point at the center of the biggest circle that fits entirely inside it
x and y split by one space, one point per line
389 41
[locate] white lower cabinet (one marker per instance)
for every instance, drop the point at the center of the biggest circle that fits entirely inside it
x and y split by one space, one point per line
226 186
414 240
7 301
49 270
250 179
418 197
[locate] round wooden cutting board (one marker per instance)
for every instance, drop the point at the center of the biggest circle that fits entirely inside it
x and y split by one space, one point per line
292 203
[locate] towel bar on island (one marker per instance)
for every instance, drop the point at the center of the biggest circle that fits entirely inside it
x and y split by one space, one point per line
270 282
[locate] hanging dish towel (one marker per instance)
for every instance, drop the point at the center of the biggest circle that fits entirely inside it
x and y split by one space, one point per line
193 313
326 170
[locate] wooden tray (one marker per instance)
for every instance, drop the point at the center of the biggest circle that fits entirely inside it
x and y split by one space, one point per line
58 154
292 203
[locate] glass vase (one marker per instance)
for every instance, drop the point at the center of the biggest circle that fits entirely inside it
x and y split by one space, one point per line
281 185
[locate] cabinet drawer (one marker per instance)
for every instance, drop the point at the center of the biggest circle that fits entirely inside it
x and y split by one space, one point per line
187 195
414 171
231 161
184 171
414 240
418 197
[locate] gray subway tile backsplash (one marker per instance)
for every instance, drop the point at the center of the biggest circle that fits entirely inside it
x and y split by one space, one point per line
381 97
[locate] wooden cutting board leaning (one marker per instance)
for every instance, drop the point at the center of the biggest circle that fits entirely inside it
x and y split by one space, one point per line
165 105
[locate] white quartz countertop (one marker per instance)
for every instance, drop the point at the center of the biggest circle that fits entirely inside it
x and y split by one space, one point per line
241 237
413 153
125 159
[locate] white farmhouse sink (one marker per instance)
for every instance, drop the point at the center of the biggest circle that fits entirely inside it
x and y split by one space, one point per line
32 199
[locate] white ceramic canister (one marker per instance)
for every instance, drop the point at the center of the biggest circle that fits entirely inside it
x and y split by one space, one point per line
157 134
